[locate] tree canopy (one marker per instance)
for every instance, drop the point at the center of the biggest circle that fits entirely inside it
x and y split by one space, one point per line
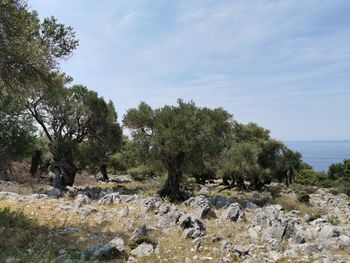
175 133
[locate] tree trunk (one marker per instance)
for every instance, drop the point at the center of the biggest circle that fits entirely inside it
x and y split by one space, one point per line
289 178
62 166
171 188
64 174
240 182
103 170
256 183
36 161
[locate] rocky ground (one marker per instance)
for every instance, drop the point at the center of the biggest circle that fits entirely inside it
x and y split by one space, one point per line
111 223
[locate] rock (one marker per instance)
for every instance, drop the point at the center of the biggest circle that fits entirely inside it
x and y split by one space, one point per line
205 212
267 215
275 232
151 203
192 226
329 232
139 232
89 253
66 207
250 205
220 201
81 200
234 213
202 207
120 179
114 249
9 196
124 212
169 219
143 250
109 199
198 201
86 210
204 191
241 250
55 193
163 209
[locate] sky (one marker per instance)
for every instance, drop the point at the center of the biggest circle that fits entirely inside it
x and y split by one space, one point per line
284 64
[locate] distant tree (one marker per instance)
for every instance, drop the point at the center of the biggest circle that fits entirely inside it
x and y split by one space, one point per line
346 169
68 117
289 162
17 135
336 170
238 163
97 150
174 134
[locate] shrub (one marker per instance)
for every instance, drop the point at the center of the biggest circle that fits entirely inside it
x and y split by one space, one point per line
333 220
303 197
141 172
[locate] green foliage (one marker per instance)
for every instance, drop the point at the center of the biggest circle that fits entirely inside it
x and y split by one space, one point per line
240 159
141 172
303 197
178 135
17 137
30 49
336 170
106 140
333 220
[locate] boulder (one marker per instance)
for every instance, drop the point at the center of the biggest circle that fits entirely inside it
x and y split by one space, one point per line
114 249
143 250
329 232
109 199
234 213
81 200
266 216
169 219
220 201
201 205
55 193
192 226
139 232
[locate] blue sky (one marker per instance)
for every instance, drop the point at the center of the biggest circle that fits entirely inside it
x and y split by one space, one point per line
284 64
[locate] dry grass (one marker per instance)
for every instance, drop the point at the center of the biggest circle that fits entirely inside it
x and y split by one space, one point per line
291 203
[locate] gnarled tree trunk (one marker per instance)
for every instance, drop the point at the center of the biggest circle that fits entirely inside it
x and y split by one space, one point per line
36 161
289 177
63 167
171 188
103 170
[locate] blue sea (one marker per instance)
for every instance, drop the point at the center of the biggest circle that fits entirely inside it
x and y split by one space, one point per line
321 154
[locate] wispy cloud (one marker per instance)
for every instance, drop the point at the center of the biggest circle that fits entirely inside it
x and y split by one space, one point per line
284 64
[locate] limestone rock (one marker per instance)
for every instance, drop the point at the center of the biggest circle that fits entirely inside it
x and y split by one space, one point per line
234 213
143 250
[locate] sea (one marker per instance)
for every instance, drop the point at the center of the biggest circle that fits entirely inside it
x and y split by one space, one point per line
321 154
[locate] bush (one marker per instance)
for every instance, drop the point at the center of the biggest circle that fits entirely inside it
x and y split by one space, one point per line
141 172
303 197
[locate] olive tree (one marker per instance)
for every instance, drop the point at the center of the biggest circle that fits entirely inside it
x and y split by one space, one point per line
17 135
68 117
175 133
96 151
29 48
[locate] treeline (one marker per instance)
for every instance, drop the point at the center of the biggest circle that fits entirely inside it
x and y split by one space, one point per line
65 128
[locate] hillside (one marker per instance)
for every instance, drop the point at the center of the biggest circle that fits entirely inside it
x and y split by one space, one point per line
119 221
